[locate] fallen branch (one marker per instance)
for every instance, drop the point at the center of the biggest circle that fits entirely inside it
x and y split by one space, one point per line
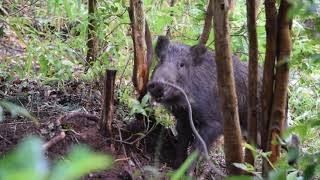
72 115
121 159
53 141
62 134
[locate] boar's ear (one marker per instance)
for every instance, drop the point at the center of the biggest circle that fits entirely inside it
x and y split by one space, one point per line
162 46
197 52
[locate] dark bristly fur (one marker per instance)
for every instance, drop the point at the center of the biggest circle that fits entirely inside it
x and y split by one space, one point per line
194 70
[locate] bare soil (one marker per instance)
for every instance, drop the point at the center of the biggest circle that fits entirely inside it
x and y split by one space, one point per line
49 102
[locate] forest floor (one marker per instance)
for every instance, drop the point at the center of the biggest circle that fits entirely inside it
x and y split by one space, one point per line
49 104
51 100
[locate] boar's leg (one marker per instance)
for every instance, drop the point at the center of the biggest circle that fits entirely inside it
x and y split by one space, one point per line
184 138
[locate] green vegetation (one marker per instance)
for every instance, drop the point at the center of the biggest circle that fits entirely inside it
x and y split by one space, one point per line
51 38
28 162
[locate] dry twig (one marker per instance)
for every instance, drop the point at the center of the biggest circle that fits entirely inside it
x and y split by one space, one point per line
62 134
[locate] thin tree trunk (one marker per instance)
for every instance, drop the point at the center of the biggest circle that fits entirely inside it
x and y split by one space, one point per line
226 84
268 71
168 34
268 76
252 78
143 51
140 71
207 24
108 105
278 113
149 45
92 39
132 18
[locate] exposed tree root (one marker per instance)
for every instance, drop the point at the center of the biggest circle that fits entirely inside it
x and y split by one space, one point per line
62 134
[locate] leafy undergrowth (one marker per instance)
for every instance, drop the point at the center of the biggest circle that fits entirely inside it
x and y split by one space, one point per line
29 158
48 103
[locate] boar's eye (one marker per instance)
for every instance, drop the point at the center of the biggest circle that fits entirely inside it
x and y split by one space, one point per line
181 65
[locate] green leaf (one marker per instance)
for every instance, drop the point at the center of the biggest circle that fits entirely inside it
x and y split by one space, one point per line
28 65
17 110
248 168
26 162
153 170
293 175
68 8
293 153
265 154
184 167
252 149
240 178
80 162
279 174
145 99
301 130
309 171
244 166
136 107
1 31
44 67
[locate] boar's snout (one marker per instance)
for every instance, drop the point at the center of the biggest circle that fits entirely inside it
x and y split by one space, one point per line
156 89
